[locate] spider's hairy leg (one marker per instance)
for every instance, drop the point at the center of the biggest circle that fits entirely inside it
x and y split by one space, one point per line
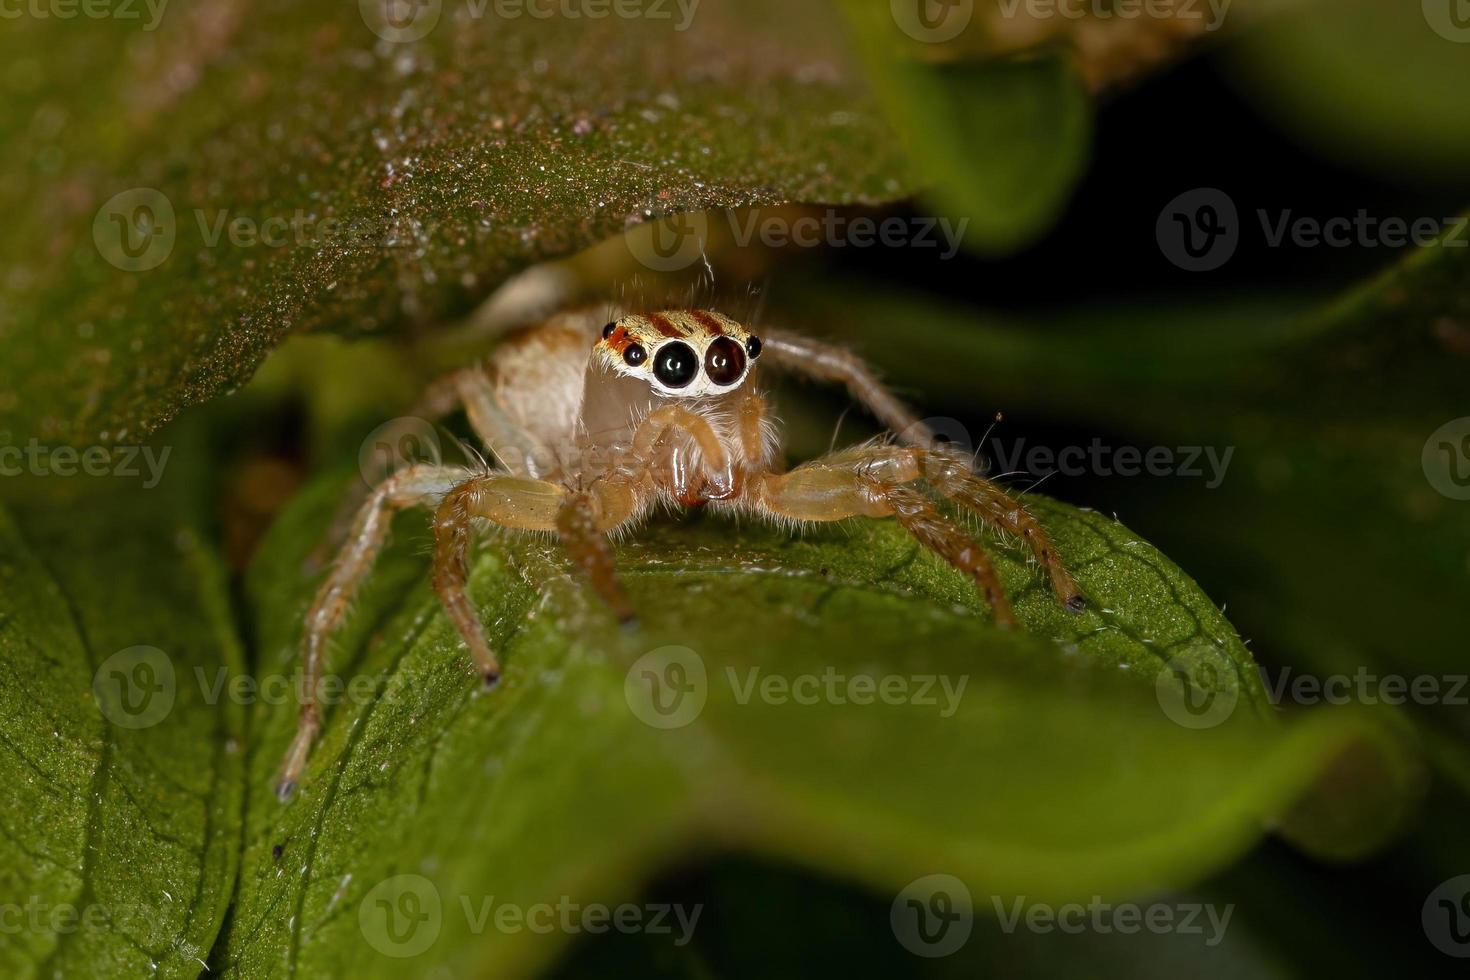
582 523
518 451
950 474
469 388
580 519
509 501
830 363
415 485
870 483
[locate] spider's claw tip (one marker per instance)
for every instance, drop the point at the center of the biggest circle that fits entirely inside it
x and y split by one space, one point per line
285 789
490 678
1075 604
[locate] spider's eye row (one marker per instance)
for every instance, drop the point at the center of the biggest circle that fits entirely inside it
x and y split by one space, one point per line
675 364
607 330
753 347
634 355
724 361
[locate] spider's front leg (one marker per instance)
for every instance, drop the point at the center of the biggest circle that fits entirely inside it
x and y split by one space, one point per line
580 519
822 361
874 482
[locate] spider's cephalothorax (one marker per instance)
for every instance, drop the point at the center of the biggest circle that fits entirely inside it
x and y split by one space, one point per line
593 421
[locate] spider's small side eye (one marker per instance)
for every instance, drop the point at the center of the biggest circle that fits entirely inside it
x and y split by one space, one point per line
607 330
724 362
634 355
675 364
753 347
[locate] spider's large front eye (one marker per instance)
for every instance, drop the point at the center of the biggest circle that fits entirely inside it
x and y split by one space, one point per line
675 364
724 362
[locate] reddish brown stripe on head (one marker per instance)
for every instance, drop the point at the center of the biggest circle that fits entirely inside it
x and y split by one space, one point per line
618 339
664 326
704 319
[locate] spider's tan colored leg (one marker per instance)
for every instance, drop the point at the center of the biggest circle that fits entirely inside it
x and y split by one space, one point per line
582 523
471 389
853 483
950 474
580 519
869 483
830 363
416 485
521 453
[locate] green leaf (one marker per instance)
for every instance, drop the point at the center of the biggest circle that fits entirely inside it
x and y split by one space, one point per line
1332 531
376 184
1370 84
1001 143
120 780
1056 772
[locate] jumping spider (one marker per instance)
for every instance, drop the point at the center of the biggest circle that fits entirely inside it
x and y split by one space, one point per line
664 410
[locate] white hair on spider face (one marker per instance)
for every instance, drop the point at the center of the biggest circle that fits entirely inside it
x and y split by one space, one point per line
679 353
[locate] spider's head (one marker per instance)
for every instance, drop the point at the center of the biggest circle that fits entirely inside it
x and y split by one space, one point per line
679 353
